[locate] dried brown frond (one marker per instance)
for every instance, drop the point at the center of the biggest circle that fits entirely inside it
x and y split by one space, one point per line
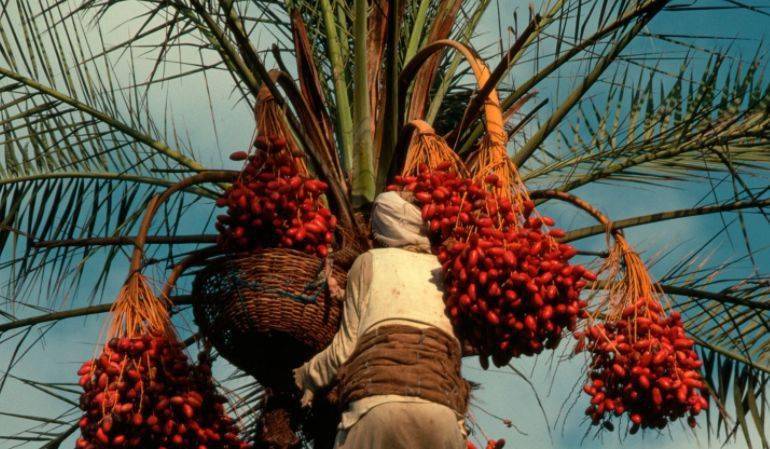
311 86
377 26
441 29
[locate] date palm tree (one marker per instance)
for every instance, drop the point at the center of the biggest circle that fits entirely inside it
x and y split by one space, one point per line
590 109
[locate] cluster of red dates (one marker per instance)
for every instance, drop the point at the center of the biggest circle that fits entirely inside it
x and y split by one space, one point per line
275 203
144 393
509 287
643 364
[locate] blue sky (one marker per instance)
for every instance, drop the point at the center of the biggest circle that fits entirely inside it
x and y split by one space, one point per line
503 393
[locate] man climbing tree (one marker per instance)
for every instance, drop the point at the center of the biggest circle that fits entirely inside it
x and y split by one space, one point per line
396 357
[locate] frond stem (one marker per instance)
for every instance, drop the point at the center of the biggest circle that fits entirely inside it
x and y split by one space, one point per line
100 175
127 240
663 216
521 156
75 313
157 145
342 101
651 8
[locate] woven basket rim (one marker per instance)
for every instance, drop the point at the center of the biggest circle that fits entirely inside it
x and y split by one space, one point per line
233 315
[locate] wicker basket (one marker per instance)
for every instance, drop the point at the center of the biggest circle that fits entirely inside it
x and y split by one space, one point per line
267 311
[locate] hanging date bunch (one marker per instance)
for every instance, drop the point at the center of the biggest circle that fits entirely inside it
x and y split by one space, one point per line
510 289
142 392
642 362
275 203
510 282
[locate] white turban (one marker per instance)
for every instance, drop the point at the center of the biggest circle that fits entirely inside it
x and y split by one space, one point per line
397 223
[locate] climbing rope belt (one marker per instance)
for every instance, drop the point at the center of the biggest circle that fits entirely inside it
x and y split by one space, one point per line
405 361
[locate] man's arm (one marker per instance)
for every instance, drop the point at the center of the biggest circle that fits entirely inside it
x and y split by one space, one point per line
319 371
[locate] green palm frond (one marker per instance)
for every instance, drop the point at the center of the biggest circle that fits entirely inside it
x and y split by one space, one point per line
639 133
88 136
81 153
728 317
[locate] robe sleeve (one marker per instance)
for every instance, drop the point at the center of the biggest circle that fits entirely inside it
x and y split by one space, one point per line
319 371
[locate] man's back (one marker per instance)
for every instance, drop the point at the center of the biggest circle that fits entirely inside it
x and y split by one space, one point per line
405 288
